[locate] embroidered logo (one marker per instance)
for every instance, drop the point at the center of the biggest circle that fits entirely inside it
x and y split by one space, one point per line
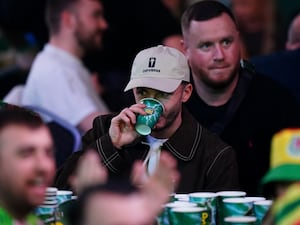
152 61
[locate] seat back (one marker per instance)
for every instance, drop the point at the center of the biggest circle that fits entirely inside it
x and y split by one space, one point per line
67 138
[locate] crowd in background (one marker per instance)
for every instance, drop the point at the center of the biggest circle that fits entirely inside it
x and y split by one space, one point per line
263 25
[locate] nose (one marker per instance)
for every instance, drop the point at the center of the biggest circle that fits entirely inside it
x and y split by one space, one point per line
103 24
45 163
218 53
151 95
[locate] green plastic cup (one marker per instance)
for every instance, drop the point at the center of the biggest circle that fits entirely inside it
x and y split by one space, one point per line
189 216
63 195
240 220
145 123
237 207
260 209
223 195
182 197
164 217
46 214
208 200
254 199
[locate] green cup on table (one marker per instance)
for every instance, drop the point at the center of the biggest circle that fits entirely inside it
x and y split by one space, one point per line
240 220
47 213
189 216
208 200
260 209
164 217
223 195
237 207
63 195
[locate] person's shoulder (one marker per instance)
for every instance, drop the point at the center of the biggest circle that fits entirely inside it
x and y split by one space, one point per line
267 93
45 63
103 121
105 117
264 83
260 82
276 57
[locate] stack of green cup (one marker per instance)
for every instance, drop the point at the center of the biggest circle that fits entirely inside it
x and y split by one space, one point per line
260 209
240 220
237 207
224 195
164 217
207 200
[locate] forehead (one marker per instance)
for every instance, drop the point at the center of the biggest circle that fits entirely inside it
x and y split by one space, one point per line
92 4
155 91
148 90
17 134
215 28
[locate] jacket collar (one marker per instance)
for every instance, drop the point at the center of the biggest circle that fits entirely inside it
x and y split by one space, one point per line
184 143
186 140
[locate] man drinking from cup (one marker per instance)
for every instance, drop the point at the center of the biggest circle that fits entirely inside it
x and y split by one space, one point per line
204 161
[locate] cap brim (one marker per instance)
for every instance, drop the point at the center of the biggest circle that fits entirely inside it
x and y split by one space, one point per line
161 84
290 172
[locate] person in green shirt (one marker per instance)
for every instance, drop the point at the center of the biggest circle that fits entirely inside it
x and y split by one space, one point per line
27 164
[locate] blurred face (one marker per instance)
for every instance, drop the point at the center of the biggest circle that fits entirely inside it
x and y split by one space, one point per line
90 24
114 209
27 166
248 12
172 102
213 51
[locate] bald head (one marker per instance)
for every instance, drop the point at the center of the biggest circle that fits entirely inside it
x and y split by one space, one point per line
293 39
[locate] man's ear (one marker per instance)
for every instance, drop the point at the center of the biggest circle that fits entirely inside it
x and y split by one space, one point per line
68 19
184 46
187 92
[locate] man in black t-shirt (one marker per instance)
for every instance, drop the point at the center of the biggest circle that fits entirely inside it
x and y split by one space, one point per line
229 98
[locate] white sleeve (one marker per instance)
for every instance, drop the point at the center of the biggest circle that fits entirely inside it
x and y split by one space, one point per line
66 93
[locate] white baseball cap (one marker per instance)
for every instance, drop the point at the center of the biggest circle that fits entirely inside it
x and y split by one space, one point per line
161 68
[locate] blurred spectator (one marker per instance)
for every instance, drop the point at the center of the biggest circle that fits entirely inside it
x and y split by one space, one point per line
256 20
27 165
283 66
58 81
286 11
284 162
286 209
99 204
283 178
137 29
293 36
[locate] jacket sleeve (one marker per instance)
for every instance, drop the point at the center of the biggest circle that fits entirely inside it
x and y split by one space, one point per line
97 139
222 174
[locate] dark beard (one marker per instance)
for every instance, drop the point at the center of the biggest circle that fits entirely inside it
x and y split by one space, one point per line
88 46
168 124
219 86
